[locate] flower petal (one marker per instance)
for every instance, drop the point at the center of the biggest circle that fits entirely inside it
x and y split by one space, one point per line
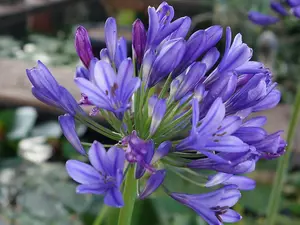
153 183
82 172
217 179
97 189
117 159
243 183
159 111
162 150
98 158
114 198
94 94
226 144
67 125
210 58
231 216
262 19
111 37
258 121
213 118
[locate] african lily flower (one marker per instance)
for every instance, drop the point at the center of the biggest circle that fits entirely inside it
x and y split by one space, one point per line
168 111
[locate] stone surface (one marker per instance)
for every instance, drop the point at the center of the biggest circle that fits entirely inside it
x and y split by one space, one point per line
15 88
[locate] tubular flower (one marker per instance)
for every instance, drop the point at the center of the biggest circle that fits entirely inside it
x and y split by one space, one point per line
168 111
282 8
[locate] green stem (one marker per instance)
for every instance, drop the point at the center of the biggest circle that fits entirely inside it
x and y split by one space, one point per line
101 215
283 166
129 195
166 86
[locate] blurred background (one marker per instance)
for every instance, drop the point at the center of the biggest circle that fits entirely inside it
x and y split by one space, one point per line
34 187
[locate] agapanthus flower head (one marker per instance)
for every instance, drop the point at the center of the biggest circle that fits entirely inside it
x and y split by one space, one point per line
176 105
281 8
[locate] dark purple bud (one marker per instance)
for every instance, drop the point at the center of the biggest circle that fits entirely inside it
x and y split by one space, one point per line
261 19
83 46
277 7
139 38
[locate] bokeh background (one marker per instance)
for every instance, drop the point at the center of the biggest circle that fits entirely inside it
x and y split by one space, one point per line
34 187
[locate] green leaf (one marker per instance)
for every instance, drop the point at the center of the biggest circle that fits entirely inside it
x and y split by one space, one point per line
6 119
24 120
40 205
69 151
256 199
66 193
50 129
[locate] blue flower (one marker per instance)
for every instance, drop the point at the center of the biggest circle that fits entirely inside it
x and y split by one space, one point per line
108 90
278 7
213 133
144 155
103 177
213 207
293 3
46 89
262 19
200 119
161 28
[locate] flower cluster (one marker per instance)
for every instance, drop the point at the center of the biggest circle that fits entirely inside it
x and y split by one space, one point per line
176 105
282 8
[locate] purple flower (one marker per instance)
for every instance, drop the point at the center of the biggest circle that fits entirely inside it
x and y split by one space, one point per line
46 89
103 177
166 61
116 50
201 118
109 90
236 53
195 46
83 46
273 146
235 163
293 3
213 133
277 7
161 28
262 19
67 125
144 155
236 60
213 207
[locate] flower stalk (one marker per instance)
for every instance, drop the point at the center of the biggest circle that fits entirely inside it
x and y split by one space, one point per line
129 195
283 166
